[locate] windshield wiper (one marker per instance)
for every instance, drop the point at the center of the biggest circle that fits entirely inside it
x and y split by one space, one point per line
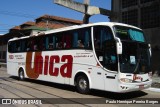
136 66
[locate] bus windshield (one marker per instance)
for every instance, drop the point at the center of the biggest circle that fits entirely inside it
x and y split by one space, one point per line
135 57
129 34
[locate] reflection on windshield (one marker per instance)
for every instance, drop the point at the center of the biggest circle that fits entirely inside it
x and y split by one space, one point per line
126 33
136 35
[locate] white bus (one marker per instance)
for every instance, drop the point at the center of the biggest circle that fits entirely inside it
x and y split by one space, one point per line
105 56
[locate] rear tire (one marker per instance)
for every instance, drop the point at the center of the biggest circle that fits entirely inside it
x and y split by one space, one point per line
21 74
82 84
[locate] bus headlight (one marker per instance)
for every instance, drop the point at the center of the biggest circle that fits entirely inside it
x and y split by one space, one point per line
126 80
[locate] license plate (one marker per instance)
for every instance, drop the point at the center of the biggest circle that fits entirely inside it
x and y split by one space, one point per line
141 86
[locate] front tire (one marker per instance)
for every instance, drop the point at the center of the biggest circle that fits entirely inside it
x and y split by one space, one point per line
21 74
82 84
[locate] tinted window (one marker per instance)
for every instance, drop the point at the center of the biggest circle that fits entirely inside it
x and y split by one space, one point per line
82 38
73 39
129 34
102 34
105 47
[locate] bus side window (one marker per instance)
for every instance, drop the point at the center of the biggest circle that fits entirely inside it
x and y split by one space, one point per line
51 42
83 39
17 47
46 43
58 41
80 44
63 40
30 45
23 45
11 47
87 39
97 37
38 44
109 46
50 47
75 39
68 41
41 44
105 47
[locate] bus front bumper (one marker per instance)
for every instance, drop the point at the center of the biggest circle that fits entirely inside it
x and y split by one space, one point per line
129 87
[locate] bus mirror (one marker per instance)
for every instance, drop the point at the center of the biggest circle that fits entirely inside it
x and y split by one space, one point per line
118 46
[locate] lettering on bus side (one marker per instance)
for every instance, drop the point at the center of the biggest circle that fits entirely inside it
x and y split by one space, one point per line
45 65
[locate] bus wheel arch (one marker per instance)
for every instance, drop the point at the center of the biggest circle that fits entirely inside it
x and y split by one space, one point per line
21 74
82 83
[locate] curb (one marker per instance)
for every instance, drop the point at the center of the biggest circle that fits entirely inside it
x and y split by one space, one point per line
153 89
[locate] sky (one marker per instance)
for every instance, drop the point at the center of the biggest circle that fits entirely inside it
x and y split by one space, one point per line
17 12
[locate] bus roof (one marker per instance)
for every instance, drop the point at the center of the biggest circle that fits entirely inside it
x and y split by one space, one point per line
110 24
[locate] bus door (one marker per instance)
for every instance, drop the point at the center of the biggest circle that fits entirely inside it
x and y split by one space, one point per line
110 64
105 49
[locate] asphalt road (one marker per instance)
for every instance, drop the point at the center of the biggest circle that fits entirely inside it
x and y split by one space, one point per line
56 95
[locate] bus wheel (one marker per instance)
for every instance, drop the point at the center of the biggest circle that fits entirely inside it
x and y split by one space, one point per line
21 74
82 84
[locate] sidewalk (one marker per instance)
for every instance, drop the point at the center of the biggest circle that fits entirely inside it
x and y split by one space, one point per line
155 87
3 72
156 81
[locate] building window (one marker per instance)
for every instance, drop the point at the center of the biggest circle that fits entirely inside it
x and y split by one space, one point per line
130 17
150 16
145 1
4 55
0 55
128 3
